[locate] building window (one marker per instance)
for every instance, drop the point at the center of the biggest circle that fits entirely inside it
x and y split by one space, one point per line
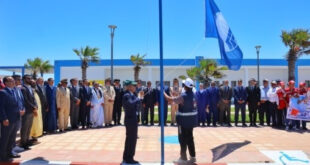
233 84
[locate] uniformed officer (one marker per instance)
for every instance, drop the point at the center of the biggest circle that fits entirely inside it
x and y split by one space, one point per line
131 105
187 119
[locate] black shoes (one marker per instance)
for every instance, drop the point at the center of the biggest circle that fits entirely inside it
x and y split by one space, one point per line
130 162
14 156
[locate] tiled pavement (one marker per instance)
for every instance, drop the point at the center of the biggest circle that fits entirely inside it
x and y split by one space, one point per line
217 145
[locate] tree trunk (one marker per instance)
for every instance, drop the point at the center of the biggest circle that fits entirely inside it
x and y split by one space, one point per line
136 72
84 69
291 65
34 75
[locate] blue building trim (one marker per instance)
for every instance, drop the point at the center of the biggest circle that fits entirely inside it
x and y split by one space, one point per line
175 62
57 65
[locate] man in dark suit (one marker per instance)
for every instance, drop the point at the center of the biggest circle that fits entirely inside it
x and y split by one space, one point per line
85 95
213 96
74 103
253 101
44 105
117 106
240 99
225 94
131 105
148 103
31 111
9 119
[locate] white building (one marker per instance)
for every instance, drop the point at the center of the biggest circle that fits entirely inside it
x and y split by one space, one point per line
271 69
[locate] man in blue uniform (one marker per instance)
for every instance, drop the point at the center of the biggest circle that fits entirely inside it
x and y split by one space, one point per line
240 98
187 119
213 96
131 104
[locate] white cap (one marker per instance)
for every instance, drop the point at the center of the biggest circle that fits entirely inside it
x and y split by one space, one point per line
189 83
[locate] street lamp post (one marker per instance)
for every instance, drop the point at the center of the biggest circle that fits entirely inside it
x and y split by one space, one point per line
257 51
112 27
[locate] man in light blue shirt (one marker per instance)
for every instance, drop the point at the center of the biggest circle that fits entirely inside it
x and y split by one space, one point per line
264 106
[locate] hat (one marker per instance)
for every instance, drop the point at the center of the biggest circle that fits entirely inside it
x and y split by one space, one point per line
183 81
116 80
273 82
292 82
302 84
129 82
64 80
189 83
265 80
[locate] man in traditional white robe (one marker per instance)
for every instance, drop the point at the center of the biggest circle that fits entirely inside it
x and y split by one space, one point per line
97 103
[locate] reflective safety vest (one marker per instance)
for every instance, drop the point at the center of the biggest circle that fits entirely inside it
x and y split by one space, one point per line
187 116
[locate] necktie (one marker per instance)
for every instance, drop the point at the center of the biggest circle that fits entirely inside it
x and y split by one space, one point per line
13 94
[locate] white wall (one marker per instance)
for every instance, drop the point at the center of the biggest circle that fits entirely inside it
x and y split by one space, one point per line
170 72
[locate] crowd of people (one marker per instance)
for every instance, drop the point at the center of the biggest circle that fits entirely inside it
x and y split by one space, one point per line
36 107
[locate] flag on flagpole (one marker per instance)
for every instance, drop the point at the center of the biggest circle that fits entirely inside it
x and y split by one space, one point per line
217 27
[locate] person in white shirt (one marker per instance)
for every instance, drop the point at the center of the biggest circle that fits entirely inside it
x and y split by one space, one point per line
273 101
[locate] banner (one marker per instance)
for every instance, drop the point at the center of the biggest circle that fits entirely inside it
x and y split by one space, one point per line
299 108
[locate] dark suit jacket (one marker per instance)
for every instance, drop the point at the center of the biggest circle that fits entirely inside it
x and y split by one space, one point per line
118 95
225 94
213 96
74 94
167 90
240 94
9 107
30 102
42 96
149 97
85 96
253 95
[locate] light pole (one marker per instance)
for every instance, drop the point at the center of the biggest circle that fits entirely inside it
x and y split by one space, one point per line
112 27
257 51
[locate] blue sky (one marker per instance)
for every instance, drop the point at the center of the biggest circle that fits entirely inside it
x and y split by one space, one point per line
52 28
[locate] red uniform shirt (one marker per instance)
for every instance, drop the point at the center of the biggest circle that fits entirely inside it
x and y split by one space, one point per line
289 93
282 98
302 91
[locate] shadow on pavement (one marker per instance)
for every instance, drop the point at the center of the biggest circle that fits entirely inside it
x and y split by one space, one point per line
225 149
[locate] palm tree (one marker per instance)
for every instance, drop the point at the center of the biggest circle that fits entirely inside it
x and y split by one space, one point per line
207 70
87 55
45 67
299 44
38 65
138 61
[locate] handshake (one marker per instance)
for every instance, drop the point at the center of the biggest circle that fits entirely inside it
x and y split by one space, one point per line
141 95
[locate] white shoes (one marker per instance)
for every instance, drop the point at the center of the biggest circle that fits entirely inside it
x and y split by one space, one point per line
180 161
192 160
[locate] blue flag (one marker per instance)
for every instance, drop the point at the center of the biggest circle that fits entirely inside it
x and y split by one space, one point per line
217 27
